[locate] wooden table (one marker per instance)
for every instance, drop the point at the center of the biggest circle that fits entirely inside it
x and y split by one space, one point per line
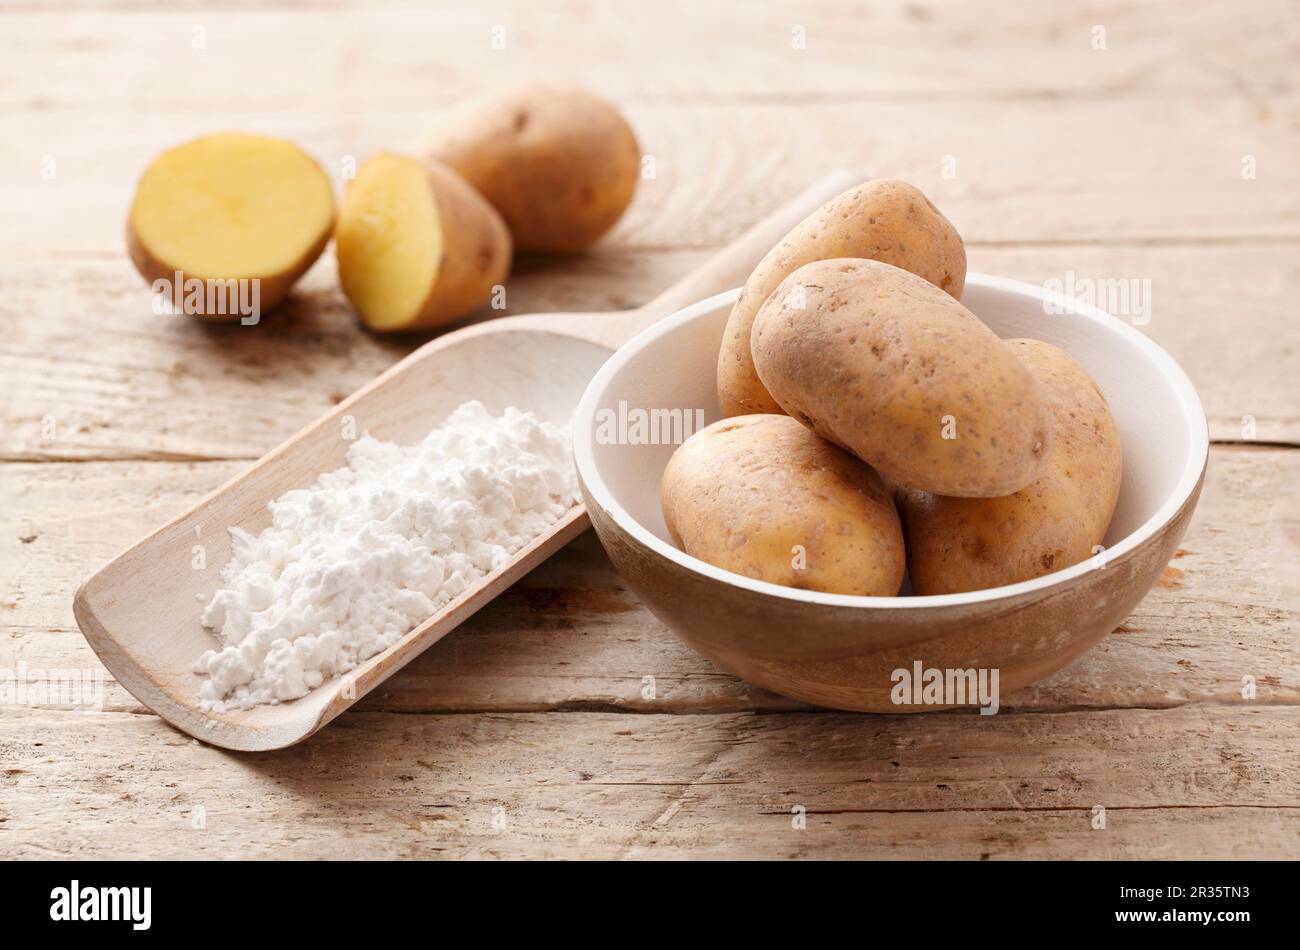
1169 155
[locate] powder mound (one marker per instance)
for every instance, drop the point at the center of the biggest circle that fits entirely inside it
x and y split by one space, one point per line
353 563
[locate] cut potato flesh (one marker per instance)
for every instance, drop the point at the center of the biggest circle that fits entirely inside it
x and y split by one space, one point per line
389 241
417 246
232 207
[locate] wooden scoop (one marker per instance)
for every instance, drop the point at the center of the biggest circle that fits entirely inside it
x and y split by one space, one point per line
141 612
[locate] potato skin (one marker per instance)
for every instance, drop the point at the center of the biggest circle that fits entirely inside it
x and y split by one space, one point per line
744 492
882 220
885 364
271 289
557 162
964 544
476 250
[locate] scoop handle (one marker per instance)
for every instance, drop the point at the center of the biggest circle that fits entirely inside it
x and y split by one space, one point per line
732 266
727 269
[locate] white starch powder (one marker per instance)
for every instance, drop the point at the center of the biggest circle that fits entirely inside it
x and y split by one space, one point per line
370 551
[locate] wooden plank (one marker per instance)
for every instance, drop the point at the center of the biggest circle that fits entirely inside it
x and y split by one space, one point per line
1188 782
1225 313
571 636
88 371
135 384
1032 171
1122 163
358 54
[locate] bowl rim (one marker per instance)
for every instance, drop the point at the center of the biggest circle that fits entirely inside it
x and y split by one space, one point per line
1194 465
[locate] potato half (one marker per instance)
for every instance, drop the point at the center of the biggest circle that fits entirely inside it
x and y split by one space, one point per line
882 220
559 163
962 544
231 206
763 496
890 367
417 246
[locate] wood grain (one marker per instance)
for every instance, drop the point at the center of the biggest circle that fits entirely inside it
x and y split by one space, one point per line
1116 163
571 636
101 376
669 51
1215 781
1093 170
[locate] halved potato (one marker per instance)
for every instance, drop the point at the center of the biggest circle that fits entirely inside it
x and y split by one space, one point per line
231 206
417 246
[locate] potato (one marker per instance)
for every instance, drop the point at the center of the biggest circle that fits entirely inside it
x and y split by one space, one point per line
417 246
881 220
763 496
231 207
890 367
962 544
559 163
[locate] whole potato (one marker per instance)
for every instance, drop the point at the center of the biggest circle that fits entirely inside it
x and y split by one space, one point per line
890 367
962 544
882 220
558 163
763 496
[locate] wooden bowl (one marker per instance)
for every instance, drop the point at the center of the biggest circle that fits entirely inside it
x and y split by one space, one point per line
845 651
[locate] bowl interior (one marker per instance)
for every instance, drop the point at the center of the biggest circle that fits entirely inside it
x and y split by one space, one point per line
661 387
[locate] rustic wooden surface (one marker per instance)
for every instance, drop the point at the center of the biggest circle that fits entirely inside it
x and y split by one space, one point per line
528 732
